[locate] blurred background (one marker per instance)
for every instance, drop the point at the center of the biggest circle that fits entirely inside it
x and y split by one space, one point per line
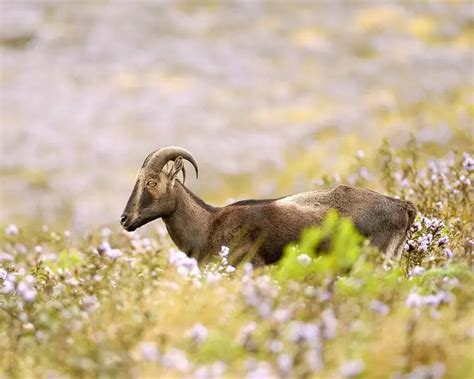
268 95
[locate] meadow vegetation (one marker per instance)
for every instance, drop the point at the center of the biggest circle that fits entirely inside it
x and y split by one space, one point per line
273 98
115 304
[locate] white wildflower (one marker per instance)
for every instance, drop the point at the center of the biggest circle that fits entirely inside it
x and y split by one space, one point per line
185 266
224 251
350 369
12 230
435 371
176 359
103 247
26 289
8 286
416 271
29 327
106 232
198 333
6 257
264 309
274 346
113 253
465 180
438 370
303 259
245 332
415 300
29 295
452 282
218 369
364 173
148 351
175 256
72 281
248 268
21 249
90 303
285 364
379 307
213 371
311 291
329 324
213 277
314 359
40 335
282 315
468 162
3 273
259 370
448 252
299 332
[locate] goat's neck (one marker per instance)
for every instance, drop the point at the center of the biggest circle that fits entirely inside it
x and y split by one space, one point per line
188 225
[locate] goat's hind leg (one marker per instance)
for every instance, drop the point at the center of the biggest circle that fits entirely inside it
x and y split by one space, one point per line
389 242
395 249
409 217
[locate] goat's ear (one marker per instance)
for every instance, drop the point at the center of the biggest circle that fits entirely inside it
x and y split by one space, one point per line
178 165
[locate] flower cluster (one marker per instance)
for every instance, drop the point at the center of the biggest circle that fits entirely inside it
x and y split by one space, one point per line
12 230
260 294
151 309
185 266
428 239
213 272
414 300
198 333
19 284
105 249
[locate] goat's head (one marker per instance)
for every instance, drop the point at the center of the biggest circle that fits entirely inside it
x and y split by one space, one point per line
153 195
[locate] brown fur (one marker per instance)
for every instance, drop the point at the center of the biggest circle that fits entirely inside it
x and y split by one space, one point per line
261 227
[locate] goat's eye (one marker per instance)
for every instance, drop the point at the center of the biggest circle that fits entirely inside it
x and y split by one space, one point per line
151 183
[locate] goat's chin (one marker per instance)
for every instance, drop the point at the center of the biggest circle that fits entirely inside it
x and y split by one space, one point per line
131 227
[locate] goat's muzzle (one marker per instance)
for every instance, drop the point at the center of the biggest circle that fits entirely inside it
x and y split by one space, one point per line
126 224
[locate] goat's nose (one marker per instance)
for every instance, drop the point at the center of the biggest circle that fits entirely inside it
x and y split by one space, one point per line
123 219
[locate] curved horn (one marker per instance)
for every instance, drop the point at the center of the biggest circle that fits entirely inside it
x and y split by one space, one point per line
157 159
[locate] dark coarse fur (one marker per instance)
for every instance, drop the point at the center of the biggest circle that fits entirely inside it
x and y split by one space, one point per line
256 228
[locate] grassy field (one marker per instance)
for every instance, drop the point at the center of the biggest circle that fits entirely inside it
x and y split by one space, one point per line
272 98
113 304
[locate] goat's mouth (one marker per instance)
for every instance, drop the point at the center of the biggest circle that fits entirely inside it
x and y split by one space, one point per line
131 226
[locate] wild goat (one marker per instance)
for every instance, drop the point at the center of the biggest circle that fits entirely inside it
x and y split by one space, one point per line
262 227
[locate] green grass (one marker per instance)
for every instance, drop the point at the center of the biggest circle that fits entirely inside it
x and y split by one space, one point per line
76 307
